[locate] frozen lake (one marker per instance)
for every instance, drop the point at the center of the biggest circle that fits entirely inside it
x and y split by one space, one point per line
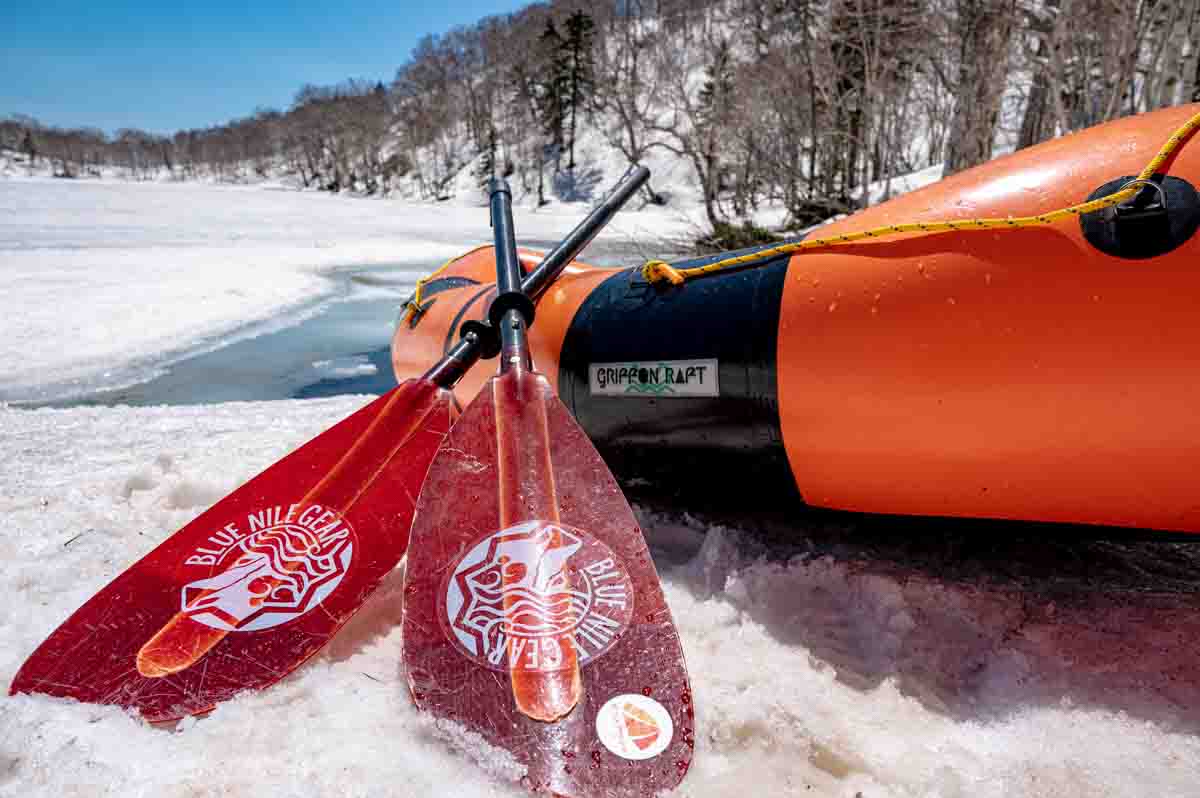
177 294
336 346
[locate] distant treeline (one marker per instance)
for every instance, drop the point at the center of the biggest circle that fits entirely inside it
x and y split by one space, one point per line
802 103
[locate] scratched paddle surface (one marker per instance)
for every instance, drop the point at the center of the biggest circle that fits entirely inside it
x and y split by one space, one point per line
251 588
496 601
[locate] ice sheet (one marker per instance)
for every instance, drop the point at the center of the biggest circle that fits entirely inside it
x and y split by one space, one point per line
105 281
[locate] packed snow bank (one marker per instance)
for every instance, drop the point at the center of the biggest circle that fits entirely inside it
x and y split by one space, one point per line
818 676
106 281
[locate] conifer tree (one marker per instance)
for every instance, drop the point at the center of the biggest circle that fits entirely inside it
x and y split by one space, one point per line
579 69
527 93
552 87
29 147
486 169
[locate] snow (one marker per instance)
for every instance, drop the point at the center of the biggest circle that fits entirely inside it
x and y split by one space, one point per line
353 366
114 279
829 675
86 491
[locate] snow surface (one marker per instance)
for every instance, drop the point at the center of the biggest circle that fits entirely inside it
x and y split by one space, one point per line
105 281
812 676
86 491
340 368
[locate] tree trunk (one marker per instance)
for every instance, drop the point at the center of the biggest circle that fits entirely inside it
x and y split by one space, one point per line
985 29
1036 123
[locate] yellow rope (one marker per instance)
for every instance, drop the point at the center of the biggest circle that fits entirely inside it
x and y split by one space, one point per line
413 305
656 271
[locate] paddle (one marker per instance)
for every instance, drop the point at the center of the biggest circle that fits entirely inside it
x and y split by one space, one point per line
533 613
257 584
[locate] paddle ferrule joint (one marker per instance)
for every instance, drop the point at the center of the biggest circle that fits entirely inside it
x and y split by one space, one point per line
514 343
512 310
449 370
480 339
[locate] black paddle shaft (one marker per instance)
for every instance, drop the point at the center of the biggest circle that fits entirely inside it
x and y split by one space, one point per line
512 310
476 336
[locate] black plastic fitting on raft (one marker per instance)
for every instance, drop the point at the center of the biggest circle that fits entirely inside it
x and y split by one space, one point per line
487 336
1160 217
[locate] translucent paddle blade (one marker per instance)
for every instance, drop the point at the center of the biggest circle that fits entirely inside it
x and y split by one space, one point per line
245 593
529 592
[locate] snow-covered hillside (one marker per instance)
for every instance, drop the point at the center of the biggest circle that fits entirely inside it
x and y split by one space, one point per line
780 113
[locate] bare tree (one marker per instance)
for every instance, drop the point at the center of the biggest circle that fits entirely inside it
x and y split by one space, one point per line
983 33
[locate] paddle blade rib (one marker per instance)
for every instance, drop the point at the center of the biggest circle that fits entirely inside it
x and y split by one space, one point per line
537 594
529 593
258 583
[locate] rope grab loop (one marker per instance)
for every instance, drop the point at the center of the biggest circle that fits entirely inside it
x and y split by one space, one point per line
657 271
413 306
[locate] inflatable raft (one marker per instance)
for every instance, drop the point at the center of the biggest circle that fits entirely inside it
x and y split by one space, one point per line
1045 372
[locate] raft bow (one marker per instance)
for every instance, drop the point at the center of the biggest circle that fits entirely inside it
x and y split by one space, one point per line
1017 341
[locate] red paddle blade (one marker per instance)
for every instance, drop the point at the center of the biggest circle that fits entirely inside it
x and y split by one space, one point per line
514 591
258 583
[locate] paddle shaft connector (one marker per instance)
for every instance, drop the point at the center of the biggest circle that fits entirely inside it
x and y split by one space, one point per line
511 312
478 338
454 364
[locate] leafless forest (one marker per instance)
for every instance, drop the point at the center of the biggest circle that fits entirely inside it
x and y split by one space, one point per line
796 103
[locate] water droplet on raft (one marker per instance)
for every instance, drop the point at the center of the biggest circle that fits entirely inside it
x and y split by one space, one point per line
833 306
951 300
987 278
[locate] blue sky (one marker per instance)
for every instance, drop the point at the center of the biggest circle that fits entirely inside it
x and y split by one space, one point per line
164 66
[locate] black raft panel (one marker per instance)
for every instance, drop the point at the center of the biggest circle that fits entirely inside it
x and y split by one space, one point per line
636 370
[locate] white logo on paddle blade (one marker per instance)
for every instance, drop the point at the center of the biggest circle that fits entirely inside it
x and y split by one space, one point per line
519 595
271 574
633 726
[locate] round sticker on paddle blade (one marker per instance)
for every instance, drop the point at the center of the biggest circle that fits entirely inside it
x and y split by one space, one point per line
633 726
